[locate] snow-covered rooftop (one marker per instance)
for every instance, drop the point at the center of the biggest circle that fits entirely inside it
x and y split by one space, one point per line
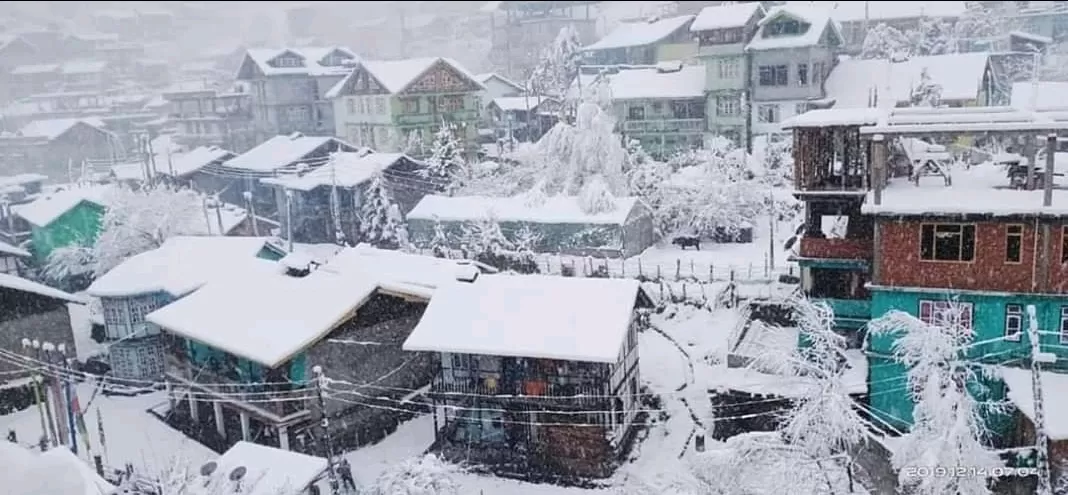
54 128
48 207
725 16
650 83
264 315
35 69
964 120
279 152
1051 94
346 169
486 76
982 189
269 471
853 81
557 209
312 57
13 282
180 266
519 103
1054 388
885 11
835 117
818 19
397 75
182 164
84 67
631 34
407 274
55 472
574 319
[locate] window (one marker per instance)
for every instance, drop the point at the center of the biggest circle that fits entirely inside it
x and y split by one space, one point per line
288 62
947 242
298 113
635 113
1013 321
410 105
817 73
728 68
946 313
722 36
773 75
1064 324
800 108
1013 243
380 105
352 105
726 106
802 74
451 103
783 28
768 114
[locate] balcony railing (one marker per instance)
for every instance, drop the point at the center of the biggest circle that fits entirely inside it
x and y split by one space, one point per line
431 118
520 390
845 249
272 401
665 126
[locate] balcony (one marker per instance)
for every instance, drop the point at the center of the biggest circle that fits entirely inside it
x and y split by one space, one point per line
432 118
843 249
257 399
533 390
679 126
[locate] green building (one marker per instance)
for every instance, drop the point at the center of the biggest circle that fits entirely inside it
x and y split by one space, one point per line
63 218
383 104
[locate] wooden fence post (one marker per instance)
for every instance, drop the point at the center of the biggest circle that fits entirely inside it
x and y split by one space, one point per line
640 273
678 268
711 273
693 273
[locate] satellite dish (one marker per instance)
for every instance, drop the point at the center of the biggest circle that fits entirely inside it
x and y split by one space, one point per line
208 468
238 473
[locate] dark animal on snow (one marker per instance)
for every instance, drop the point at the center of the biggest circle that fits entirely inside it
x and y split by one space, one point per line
687 241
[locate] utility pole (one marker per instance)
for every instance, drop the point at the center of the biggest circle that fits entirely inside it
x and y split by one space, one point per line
335 202
771 231
251 212
331 472
1041 442
68 387
289 218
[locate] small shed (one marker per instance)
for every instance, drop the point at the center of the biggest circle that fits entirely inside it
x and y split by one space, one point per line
559 222
253 469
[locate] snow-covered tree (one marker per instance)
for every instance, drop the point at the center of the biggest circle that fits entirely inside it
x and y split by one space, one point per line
931 37
883 42
948 429
428 475
558 65
377 225
446 161
595 197
439 244
927 92
135 221
524 259
977 27
414 145
484 237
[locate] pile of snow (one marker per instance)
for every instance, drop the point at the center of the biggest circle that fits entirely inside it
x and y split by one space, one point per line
55 472
268 471
556 209
410 274
725 16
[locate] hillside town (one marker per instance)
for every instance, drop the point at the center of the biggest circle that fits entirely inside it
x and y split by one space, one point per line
531 247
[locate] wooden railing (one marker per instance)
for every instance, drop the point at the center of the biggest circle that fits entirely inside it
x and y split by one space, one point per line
523 390
666 125
277 400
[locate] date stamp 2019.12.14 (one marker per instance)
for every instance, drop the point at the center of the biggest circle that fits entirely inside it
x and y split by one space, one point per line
966 471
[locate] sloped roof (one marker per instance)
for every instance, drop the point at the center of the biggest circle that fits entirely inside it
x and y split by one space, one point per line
46 209
486 76
279 152
84 67
1051 94
8 281
312 56
885 11
520 103
270 471
186 163
344 170
725 16
53 128
647 82
35 69
819 20
630 34
397 75
851 81
8 249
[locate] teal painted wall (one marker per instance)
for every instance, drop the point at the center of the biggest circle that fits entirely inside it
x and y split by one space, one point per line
80 224
886 378
249 371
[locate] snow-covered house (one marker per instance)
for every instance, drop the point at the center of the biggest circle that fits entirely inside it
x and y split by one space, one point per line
153 279
288 87
856 18
348 316
722 32
252 469
312 194
179 168
644 43
280 154
58 148
63 218
29 310
663 107
498 86
526 118
384 104
792 53
520 354
560 222
965 79
205 115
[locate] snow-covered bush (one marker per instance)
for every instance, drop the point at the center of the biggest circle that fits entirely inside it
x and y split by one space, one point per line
927 93
883 42
947 429
439 244
596 198
428 475
932 37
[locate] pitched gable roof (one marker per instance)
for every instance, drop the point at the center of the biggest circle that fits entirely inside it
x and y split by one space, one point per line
396 76
852 81
630 34
818 19
725 16
54 128
485 78
24 285
262 58
344 170
282 151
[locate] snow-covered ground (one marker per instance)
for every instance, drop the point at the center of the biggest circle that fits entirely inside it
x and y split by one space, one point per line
82 325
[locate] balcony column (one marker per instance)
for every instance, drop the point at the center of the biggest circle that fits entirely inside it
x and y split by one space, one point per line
244 426
220 427
283 437
194 410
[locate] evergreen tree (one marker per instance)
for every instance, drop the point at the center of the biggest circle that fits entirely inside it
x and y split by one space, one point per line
446 162
486 242
932 37
559 64
927 93
379 225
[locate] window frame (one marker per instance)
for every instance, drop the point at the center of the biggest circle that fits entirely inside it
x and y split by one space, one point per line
777 111
1064 323
802 75
728 68
1018 236
727 106
769 75
935 307
964 227
1013 312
